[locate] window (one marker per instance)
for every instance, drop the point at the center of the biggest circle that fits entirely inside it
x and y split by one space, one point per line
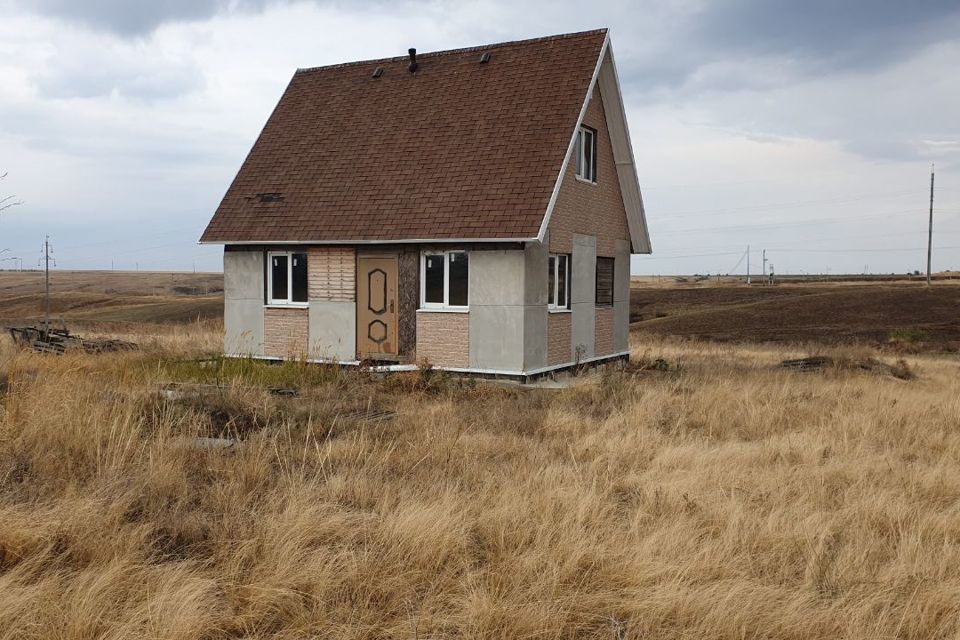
287 281
444 280
604 282
558 282
585 154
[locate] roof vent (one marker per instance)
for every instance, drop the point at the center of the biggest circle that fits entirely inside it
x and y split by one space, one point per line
413 59
378 72
270 197
485 57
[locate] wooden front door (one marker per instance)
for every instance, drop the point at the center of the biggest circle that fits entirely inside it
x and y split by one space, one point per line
377 307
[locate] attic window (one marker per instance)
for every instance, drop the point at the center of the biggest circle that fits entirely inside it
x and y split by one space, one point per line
485 57
585 154
270 197
378 72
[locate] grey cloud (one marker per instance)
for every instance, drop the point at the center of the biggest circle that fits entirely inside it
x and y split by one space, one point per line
751 44
127 18
148 82
830 34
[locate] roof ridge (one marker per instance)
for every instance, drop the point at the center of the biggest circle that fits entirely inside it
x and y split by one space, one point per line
482 47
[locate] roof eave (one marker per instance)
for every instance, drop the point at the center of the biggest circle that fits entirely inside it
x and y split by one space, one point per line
368 242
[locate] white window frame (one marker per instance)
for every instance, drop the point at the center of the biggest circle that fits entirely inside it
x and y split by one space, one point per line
445 305
288 301
582 169
553 306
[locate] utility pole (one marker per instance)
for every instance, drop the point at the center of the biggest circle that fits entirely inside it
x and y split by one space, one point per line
763 271
748 264
46 269
930 227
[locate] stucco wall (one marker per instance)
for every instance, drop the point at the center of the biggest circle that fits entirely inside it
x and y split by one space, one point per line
496 310
621 297
243 303
443 339
333 330
583 296
535 325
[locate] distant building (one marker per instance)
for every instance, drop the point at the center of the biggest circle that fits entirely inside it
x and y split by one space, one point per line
474 208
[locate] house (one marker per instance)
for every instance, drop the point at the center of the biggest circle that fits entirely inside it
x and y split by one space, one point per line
474 208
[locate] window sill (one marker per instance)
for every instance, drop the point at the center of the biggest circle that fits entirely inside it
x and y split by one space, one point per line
288 305
585 181
604 306
443 310
559 310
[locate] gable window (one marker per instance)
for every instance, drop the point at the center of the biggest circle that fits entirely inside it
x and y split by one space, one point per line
604 282
585 154
558 282
287 278
445 280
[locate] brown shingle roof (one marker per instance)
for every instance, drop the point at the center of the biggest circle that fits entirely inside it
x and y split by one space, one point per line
456 150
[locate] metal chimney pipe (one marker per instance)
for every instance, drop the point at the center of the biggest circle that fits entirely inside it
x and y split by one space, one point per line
413 59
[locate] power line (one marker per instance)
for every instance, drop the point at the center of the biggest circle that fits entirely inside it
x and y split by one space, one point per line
862 250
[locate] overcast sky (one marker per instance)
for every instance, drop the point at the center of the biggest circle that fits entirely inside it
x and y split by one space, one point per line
806 128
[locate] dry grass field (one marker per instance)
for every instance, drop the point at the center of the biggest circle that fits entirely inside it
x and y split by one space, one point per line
84 297
703 493
873 314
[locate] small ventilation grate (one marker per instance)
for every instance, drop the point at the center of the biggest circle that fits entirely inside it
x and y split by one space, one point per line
485 57
378 72
270 197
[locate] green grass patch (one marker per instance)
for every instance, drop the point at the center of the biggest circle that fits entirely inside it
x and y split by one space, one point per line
251 371
909 335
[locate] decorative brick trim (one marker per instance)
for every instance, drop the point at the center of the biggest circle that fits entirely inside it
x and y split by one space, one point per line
559 338
285 332
443 339
603 331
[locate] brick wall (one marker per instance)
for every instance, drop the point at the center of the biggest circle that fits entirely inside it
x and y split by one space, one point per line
332 274
443 339
591 209
603 332
558 338
285 332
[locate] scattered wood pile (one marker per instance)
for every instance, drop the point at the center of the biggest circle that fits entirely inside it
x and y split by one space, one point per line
49 340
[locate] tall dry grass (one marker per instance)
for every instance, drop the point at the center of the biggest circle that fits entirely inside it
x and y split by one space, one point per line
723 499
